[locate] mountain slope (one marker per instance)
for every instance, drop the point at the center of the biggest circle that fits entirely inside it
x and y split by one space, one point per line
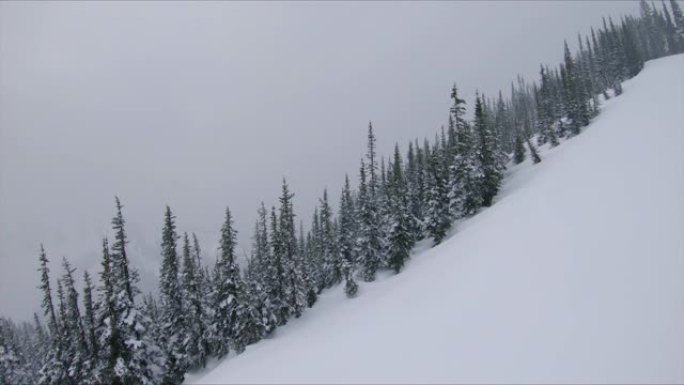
576 274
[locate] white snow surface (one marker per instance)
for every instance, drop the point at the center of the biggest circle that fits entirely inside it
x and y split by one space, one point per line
574 275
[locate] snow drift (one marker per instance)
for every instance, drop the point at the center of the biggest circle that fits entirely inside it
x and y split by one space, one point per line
576 274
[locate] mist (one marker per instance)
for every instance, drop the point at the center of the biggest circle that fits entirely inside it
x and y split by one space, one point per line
203 105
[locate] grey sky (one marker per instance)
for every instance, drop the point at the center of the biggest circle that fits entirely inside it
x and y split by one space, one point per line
203 105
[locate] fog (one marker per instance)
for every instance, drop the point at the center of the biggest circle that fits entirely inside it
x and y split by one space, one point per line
206 104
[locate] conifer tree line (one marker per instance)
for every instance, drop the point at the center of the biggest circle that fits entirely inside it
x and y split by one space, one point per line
110 333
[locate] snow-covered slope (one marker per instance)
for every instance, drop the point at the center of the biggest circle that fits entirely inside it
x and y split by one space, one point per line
576 274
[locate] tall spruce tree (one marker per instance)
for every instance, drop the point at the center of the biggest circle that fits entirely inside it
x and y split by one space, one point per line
137 359
89 324
400 240
195 343
464 181
53 371
331 265
76 352
295 290
491 169
113 351
369 245
230 313
437 219
347 236
173 326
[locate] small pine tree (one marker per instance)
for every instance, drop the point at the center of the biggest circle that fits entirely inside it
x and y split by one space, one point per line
519 150
533 152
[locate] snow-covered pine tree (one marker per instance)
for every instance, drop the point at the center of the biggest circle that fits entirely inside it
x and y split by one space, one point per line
295 290
369 245
533 152
173 325
346 239
331 264
112 347
315 250
491 172
195 343
519 149
138 357
12 362
90 308
413 180
76 354
545 119
400 239
384 213
277 273
36 349
266 288
230 314
464 181
438 218
309 266
53 371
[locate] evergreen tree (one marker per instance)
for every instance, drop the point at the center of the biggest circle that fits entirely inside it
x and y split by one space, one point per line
12 365
369 245
295 290
137 354
519 151
368 242
173 327
347 236
53 371
533 152
331 265
438 219
90 325
265 278
491 172
400 233
230 313
464 180
577 100
76 352
277 273
111 342
48 307
310 267
413 187
195 343
545 116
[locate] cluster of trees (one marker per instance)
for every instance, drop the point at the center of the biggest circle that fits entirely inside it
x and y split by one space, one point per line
113 334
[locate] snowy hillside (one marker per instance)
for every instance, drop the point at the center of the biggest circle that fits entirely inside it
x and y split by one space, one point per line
576 274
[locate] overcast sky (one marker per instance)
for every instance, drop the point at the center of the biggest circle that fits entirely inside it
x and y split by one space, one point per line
206 104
